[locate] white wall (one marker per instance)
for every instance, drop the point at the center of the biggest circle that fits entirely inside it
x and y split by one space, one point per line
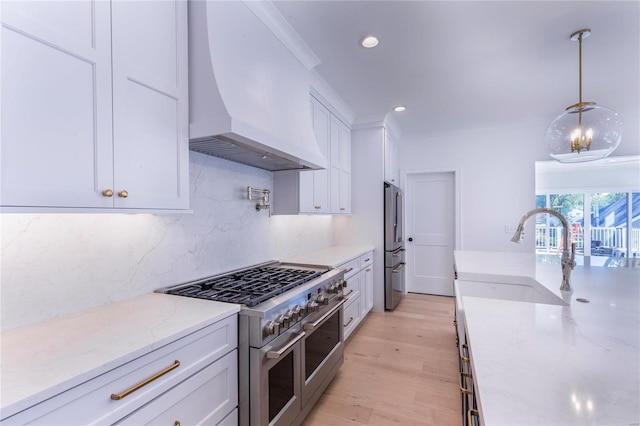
497 168
54 264
611 174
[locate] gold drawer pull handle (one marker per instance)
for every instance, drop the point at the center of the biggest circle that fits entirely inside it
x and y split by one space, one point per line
108 192
366 260
348 322
368 269
464 390
123 194
464 358
345 296
145 382
470 414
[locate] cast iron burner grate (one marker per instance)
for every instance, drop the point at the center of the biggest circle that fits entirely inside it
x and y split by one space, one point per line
249 287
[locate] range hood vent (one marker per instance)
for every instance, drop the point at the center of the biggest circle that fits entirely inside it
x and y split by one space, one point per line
249 95
234 150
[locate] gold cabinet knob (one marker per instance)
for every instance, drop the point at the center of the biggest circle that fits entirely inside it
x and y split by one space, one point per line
177 423
123 194
107 193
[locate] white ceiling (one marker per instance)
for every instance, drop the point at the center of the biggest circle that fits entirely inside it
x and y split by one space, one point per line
470 64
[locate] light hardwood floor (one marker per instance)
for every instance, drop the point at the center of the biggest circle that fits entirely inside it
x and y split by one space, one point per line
400 368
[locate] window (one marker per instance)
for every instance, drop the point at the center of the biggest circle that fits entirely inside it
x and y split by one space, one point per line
601 202
609 234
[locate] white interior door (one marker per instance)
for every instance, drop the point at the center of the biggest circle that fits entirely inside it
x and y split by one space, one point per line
430 203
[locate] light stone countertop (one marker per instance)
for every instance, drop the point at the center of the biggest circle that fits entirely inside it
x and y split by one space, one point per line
546 364
41 360
330 256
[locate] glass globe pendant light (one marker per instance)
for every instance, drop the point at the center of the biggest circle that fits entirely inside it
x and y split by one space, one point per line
585 131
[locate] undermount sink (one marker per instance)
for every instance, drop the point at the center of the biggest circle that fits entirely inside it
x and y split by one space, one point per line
526 291
518 289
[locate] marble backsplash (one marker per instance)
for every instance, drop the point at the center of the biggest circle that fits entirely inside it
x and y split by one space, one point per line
55 264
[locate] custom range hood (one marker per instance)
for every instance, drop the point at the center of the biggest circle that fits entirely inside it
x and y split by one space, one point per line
248 93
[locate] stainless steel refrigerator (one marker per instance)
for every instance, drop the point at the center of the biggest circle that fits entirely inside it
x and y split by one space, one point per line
393 246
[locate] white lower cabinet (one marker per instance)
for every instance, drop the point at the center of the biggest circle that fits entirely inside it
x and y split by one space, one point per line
359 291
188 381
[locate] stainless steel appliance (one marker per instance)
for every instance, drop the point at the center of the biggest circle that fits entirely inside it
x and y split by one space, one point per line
290 335
394 263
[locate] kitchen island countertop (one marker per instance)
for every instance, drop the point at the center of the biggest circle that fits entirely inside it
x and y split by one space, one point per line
41 360
330 256
549 364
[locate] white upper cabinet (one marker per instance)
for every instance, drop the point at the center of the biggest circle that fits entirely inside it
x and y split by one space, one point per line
320 188
391 169
94 105
319 191
340 167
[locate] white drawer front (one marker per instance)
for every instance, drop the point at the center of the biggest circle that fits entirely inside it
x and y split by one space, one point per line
91 402
366 260
351 316
204 398
351 268
352 290
230 420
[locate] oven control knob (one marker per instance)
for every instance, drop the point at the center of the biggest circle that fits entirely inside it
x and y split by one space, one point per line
283 320
312 306
272 328
294 313
333 288
322 299
342 283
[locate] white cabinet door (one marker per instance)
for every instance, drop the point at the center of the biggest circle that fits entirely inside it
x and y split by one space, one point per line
345 172
334 164
56 103
321 128
391 169
367 289
93 101
150 109
340 167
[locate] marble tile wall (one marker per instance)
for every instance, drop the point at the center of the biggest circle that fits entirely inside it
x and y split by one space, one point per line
55 264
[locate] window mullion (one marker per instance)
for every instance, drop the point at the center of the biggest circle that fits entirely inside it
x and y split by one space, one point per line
629 226
586 231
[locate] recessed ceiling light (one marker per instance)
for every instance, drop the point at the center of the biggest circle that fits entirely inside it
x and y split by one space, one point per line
369 42
399 108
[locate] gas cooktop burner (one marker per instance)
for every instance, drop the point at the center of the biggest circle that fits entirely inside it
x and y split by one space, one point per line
249 287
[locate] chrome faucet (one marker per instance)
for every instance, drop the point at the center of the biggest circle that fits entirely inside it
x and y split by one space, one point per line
568 258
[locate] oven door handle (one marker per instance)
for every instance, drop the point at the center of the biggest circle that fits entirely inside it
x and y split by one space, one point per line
314 325
277 354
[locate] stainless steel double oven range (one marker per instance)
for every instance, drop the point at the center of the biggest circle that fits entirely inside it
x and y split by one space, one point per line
290 342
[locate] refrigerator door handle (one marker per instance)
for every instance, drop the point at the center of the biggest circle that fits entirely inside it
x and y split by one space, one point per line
398 217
